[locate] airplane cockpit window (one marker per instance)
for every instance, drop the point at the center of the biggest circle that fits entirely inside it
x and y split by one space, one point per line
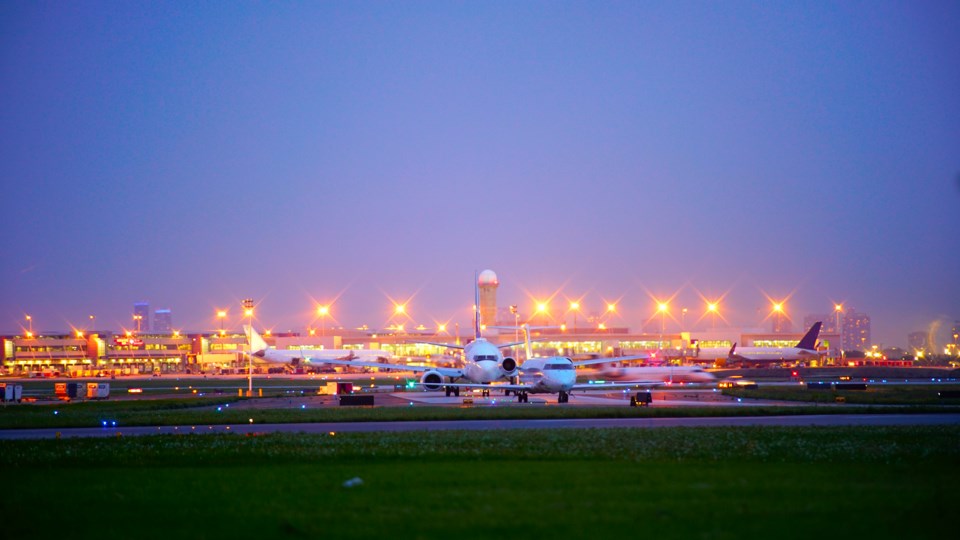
560 367
483 357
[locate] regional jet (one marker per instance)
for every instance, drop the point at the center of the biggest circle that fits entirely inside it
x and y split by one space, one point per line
296 357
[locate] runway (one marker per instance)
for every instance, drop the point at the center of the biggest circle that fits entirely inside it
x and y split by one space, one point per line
443 425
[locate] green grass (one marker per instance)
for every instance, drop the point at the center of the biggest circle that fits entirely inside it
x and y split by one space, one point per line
750 482
886 394
207 411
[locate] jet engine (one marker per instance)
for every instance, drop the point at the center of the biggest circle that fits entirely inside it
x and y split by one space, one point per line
508 366
432 381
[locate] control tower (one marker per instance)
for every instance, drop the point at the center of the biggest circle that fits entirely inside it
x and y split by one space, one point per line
487 282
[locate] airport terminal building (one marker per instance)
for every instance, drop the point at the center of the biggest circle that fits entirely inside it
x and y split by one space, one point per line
108 353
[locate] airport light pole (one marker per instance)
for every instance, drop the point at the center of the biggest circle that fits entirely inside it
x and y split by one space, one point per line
516 327
400 311
93 323
323 311
30 324
611 310
221 314
248 312
662 308
712 309
838 311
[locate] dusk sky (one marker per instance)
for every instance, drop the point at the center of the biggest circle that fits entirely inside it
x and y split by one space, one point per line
191 154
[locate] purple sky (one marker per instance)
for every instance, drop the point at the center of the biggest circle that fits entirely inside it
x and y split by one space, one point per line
192 154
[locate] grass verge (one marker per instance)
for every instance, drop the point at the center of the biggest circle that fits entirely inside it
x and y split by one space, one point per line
209 411
748 482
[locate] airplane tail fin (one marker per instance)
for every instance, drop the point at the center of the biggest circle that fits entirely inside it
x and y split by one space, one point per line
730 354
257 344
809 341
476 305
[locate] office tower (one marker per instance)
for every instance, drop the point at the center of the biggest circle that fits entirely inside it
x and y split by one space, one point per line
162 321
856 330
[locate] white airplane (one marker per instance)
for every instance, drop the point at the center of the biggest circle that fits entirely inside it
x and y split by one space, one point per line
805 349
558 375
295 357
483 363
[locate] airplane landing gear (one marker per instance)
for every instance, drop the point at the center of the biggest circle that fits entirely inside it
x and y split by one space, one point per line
563 397
522 397
455 390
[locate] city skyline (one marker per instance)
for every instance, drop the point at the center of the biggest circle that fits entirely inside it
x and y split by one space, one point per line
705 315
350 154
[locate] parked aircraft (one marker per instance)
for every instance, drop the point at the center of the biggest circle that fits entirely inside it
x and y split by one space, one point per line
804 350
666 373
483 363
295 357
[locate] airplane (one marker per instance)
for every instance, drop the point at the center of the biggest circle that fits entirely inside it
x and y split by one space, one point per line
805 349
296 357
667 374
558 375
483 361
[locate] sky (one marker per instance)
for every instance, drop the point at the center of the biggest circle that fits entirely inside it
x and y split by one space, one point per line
192 154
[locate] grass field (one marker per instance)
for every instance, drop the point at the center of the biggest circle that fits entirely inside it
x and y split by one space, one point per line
751 482
217 411
875 394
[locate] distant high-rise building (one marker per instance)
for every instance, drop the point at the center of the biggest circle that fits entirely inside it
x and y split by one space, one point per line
162 321
829 326
488 283
856 330
141 316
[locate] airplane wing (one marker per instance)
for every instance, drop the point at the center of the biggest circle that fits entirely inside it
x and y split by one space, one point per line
446 372
609 359
616 386
447 345
491 386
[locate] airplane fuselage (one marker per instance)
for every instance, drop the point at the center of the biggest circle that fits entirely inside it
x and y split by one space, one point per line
278 356
548 375
774 354
677 374
482 361
759 354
